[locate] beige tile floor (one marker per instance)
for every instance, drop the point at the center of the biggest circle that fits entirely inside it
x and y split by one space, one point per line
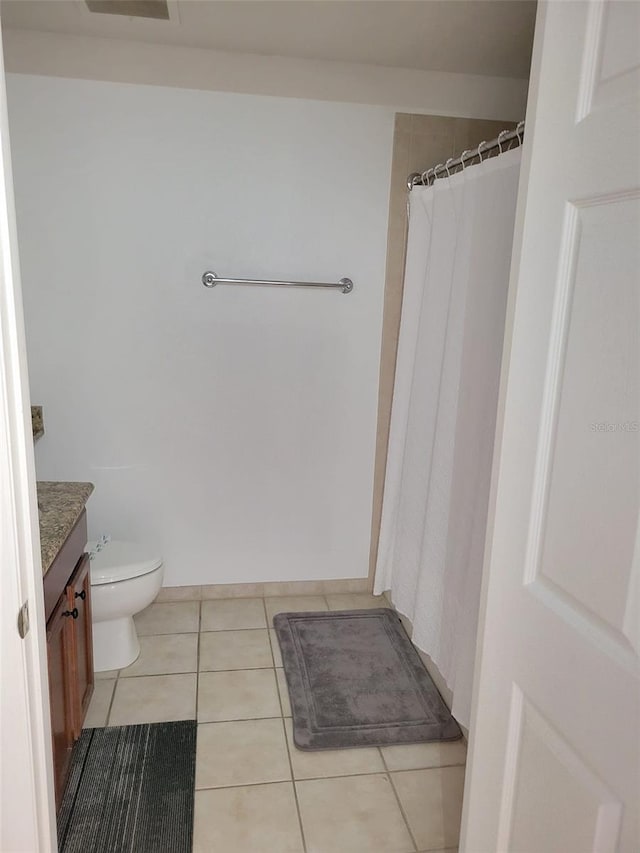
218 662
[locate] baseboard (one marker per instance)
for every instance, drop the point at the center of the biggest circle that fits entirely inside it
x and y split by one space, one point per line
263 590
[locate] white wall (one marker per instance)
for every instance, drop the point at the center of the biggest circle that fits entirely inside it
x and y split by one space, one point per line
124 61
233 428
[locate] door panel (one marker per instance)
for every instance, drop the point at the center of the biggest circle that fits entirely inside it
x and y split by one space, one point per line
591 514
588 815
612 69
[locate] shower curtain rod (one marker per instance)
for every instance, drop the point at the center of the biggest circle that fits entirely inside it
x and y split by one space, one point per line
425 179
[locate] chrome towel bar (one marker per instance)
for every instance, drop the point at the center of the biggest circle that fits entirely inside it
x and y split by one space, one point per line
210 279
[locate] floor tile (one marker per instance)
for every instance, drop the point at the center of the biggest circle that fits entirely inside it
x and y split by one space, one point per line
98 710
241 753
356 601
247 820
359 814
314 764
232 614
235 650
106 673
162 654
283 690
154 699
414 756
432 802
293 604
180 593
241 695
169 618
232 590
275 647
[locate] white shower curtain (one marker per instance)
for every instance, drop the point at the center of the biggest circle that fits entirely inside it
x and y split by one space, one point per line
444 411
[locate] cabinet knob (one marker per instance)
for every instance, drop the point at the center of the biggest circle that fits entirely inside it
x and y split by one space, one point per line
82 594
73 613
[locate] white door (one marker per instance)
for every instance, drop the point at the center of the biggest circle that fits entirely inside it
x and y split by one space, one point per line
554 754
27 814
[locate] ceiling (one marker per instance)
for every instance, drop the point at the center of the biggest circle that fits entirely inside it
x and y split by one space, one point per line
486 37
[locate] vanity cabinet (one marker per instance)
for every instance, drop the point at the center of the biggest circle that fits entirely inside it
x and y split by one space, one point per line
69 647
79 599
60 638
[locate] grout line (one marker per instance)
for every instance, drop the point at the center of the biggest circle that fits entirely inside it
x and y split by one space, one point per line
163 634
234 630
414 769
242 719
245 785
293 782
280 781
340 776
270 639
157 674
113 696
266 619
241 668
400 806
198 660
286 740
275 675
224 630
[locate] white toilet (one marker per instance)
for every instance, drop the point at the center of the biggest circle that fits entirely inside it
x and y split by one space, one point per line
125 578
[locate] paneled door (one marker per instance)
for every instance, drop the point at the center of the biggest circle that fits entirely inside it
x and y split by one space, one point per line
554 752
26 768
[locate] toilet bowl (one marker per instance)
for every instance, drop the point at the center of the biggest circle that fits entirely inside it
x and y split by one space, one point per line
125 578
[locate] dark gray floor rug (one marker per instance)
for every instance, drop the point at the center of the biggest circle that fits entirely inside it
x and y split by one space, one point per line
130 788
355 679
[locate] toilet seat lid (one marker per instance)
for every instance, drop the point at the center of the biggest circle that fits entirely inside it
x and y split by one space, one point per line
119 561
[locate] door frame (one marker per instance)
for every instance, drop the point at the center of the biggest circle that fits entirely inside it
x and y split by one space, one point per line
29 823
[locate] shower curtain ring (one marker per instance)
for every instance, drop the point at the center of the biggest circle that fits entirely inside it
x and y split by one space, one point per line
446 165
436 169
500 136
425 178
462 156
480 147
520 131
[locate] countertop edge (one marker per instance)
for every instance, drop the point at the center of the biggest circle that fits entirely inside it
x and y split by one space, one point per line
60 505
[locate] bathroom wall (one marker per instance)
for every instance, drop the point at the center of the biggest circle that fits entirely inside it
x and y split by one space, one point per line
233 428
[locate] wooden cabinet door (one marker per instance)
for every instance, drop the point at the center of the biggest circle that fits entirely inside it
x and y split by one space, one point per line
79 601
60 642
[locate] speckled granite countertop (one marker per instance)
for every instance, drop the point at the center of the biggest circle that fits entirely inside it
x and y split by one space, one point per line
60 505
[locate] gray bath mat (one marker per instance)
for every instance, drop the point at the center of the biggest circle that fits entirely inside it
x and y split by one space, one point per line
130 788
355 679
